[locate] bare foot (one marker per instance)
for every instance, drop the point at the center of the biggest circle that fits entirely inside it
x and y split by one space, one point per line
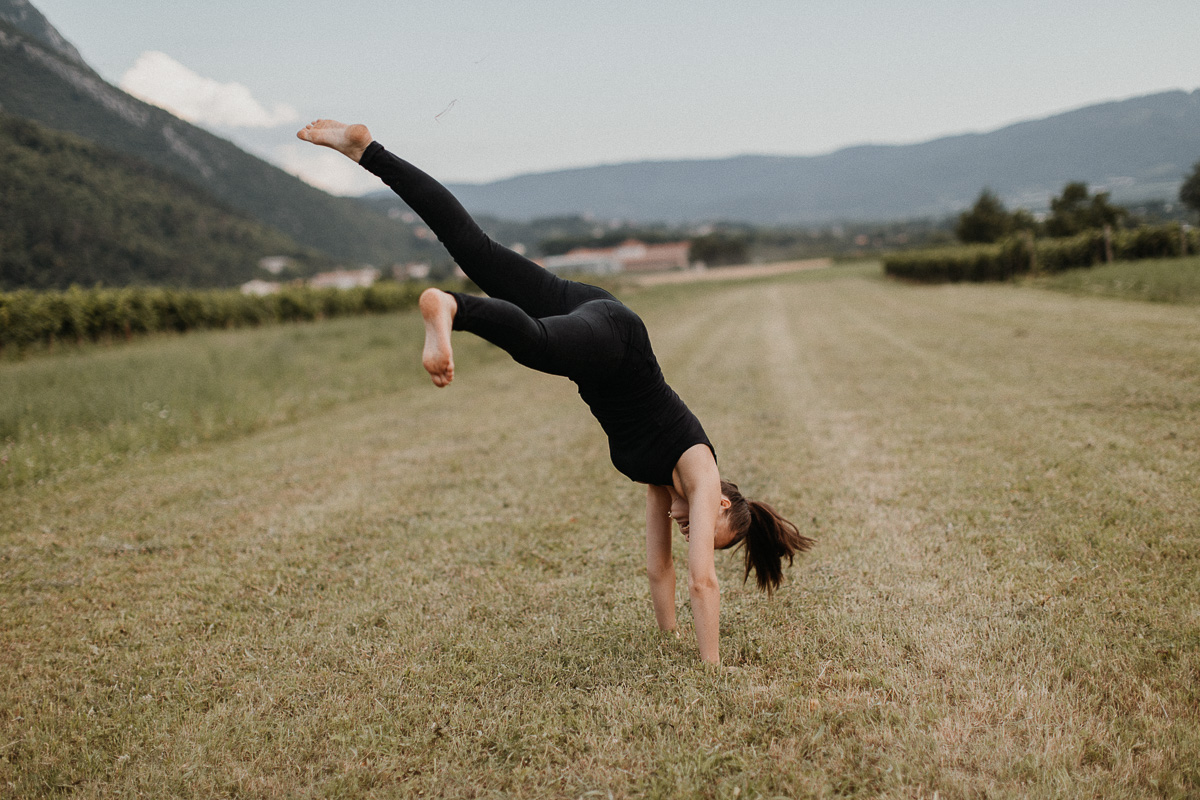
349 140
438 308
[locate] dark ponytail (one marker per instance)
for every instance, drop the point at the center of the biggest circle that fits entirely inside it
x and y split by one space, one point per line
765 536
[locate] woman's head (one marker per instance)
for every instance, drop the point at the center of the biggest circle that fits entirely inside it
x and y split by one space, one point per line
764 535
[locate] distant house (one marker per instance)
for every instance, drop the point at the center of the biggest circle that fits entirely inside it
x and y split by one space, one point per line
583 259
275 264
638 257
413 271
260 287
629 256
344 278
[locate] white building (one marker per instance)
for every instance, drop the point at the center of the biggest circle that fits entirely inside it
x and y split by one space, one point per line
413 271
595 262
260 287
344 278
275 264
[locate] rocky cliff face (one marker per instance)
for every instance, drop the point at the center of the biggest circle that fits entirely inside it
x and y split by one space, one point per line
28 20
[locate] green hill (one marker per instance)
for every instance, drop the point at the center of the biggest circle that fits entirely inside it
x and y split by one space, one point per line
74 212
45 80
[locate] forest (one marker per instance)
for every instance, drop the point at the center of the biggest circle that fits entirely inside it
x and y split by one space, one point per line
73 212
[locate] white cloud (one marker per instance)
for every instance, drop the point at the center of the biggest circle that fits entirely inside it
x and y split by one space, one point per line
159 79
324 168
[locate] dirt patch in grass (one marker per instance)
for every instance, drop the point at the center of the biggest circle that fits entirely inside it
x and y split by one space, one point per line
730 273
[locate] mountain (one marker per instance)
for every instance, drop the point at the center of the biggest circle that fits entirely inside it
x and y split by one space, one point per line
1139 149
73 212
22 16
44 79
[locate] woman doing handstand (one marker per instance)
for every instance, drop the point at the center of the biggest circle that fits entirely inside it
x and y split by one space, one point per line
584 333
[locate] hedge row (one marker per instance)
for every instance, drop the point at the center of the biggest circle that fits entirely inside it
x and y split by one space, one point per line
77 315
1020 254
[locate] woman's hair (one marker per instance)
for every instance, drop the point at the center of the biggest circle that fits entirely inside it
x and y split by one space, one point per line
764 535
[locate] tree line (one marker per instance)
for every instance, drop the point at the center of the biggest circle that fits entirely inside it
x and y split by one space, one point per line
1072 212
1018 255
30 319
1081 229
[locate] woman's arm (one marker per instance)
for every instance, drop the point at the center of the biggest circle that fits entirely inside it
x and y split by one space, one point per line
660 569
700 482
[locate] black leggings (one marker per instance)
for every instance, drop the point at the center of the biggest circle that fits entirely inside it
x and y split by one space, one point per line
543 321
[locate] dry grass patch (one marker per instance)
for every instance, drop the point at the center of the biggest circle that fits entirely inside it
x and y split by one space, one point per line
440 593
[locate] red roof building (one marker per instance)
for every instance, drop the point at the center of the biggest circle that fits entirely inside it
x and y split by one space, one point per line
629 256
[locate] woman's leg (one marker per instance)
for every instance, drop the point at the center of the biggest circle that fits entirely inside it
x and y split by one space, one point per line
583 345
439 309
531 312
497 270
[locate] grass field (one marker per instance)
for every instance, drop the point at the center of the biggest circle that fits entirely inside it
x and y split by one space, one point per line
1159 280
95 406
338 581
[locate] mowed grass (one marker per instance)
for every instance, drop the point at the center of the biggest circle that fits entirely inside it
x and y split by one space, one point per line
1162 280
412 592
95 406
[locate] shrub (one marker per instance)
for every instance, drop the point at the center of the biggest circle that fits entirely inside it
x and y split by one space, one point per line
28 317
988 262
1012 256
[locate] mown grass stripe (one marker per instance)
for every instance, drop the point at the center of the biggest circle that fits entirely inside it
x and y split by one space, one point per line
412 590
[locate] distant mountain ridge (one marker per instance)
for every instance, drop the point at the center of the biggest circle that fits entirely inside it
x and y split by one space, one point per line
45 79
1138 148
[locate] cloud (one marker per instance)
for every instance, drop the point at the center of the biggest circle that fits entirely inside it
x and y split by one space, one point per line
161 80
325 169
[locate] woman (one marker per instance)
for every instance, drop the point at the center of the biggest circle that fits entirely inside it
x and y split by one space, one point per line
584 333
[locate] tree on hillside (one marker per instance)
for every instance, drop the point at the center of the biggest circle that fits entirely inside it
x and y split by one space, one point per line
987 221
1189 193
1074 211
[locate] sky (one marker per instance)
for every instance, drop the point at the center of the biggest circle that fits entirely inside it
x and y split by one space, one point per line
479 90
